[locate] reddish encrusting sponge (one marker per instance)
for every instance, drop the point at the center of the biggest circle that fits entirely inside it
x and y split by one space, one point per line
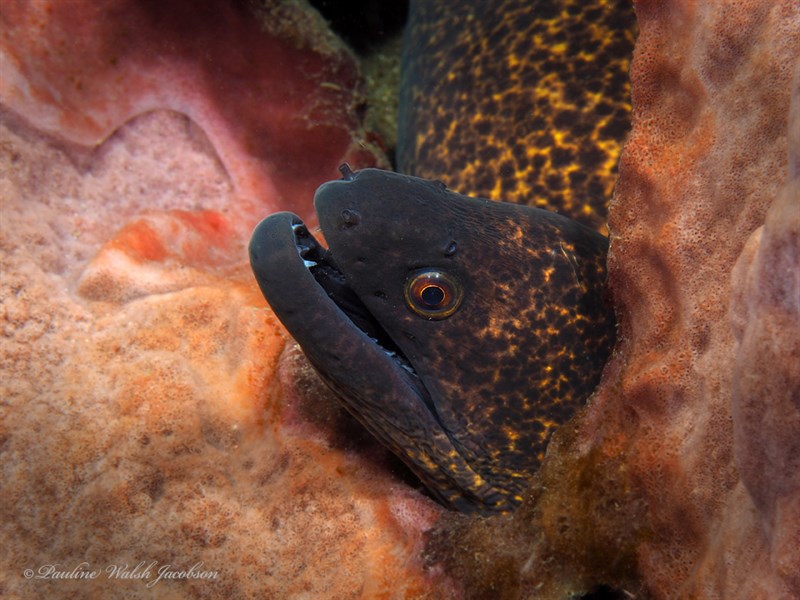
279 109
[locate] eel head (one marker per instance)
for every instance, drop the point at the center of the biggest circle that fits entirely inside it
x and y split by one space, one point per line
459 331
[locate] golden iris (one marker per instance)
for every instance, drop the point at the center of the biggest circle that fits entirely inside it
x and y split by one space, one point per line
433 294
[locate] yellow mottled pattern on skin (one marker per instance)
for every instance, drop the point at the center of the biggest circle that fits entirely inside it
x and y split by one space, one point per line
518 100
512 404
489 383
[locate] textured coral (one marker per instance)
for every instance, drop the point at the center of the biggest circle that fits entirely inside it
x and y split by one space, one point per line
280 109
706 159
149 409
147 414
765 391
680 480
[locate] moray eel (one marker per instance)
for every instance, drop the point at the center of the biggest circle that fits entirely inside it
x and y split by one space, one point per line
459 331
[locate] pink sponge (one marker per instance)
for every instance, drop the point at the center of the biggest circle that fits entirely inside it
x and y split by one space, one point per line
148 403
278 98
765 390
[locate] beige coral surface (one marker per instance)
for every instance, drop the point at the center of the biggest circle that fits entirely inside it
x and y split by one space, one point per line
705 165
144 418
157 436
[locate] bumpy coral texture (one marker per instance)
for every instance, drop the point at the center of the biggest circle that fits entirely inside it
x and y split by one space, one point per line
765 390
146 414
150 411
706 159
275 97
680 480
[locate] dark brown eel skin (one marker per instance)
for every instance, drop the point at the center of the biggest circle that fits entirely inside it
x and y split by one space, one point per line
463 331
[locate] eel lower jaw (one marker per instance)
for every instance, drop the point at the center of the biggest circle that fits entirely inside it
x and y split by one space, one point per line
301 282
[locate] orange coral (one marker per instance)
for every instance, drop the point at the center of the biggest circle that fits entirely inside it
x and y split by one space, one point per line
148 418
679 480
706 158
147 412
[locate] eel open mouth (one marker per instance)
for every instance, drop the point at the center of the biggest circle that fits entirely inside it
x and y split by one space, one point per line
322 266
360 361
310 295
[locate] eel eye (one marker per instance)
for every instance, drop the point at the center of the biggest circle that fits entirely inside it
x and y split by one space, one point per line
432 294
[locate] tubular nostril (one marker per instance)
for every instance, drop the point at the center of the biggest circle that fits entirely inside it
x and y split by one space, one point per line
347 173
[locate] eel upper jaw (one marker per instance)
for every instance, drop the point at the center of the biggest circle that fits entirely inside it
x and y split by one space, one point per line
309 294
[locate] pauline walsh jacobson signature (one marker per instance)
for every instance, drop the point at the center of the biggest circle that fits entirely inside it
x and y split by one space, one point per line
146 571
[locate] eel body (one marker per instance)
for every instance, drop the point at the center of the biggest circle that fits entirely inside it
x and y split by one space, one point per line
462 331
525 101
